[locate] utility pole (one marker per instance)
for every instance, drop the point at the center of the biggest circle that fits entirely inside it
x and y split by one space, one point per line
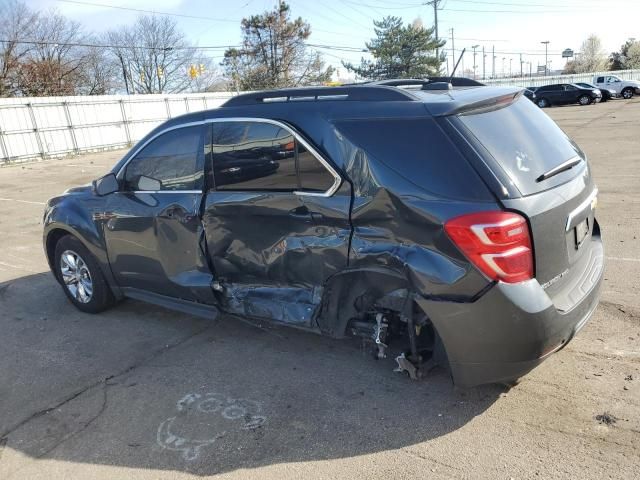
520 65
474 60
453 52
435 4
510 71
493 65
504 73
484 58
546 61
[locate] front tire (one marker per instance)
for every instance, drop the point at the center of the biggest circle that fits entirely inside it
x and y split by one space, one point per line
543 102
80 275
627 93
584 100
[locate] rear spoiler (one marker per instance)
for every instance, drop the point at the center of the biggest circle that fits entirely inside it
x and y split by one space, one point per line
465 102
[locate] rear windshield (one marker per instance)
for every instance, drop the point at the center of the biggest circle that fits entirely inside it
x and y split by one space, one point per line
525 142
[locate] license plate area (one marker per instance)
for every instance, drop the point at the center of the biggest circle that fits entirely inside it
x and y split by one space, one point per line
581 232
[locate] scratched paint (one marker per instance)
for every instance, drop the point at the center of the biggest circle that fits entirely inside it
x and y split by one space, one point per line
184 432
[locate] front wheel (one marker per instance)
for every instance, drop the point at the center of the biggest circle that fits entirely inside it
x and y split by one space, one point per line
584 100
79 274
543 102
627 93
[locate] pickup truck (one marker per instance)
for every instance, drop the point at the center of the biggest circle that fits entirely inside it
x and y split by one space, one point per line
624 88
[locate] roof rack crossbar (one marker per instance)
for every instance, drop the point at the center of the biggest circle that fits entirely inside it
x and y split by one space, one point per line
367 92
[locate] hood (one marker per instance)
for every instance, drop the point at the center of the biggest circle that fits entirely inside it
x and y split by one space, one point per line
78 190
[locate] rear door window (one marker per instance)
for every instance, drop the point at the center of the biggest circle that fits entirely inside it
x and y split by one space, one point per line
314 177
253 156
525 142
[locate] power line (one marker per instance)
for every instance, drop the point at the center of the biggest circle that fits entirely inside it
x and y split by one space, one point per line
374 7
101 45
345 20
152 12
344 48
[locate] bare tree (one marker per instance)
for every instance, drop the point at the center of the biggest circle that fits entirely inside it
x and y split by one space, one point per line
99 75
153 55
55 61
17 22
592 57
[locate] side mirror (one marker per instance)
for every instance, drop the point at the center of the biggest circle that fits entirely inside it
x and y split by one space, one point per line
148 184
106 185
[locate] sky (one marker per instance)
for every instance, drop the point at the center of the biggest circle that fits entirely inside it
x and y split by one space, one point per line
341 27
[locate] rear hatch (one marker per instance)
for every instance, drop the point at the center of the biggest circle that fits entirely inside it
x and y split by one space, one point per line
549 181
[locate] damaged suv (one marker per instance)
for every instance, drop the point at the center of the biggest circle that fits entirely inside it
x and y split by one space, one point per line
456 224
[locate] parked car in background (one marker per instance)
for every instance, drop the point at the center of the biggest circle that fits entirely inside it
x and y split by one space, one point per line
530 94
565 94
454 225
625 88
607 93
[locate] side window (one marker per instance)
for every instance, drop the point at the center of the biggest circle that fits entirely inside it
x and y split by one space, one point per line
253 156
600 80
314 176
569 88
169 162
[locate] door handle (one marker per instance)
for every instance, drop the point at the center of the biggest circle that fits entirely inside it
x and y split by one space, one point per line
175 212
303 213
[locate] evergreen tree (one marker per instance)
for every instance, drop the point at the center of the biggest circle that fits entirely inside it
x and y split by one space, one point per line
627 57
399 52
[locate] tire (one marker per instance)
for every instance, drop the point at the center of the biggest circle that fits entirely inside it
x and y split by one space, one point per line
80 276
627 93
584 100
543 103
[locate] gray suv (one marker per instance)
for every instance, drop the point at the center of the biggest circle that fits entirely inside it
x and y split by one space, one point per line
448 226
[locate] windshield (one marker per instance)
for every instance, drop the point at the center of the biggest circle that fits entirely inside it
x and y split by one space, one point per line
524 141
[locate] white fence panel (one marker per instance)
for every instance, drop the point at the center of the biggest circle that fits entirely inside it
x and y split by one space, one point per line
55 126
551 79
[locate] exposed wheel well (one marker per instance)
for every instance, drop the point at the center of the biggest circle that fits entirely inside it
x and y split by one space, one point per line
53 238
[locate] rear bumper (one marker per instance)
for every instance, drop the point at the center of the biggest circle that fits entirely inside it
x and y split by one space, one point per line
511 329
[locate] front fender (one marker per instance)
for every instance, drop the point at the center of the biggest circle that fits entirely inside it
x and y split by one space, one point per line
65 215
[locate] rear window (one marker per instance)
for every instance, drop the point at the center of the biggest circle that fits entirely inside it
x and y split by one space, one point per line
525 142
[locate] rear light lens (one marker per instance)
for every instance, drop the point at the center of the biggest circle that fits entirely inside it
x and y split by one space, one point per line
497 243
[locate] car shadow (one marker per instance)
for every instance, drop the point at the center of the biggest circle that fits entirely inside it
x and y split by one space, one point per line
142 387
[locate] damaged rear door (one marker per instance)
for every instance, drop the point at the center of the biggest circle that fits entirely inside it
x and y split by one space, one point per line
276 220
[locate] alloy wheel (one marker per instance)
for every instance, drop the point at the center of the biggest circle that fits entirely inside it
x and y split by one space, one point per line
76 276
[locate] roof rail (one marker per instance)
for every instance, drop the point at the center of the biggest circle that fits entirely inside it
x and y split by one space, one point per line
458 81
368 92
405 82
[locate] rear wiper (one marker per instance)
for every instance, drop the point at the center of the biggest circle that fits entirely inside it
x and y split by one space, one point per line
563 167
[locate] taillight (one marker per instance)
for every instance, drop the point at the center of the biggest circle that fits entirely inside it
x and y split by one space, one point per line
498 243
